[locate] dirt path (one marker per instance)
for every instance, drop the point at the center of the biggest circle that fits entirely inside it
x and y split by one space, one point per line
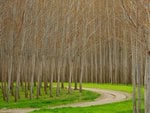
107 96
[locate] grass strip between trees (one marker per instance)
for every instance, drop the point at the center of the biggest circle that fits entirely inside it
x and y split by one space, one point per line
46 101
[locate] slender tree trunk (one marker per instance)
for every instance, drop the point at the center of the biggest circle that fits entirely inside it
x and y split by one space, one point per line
17 94
51 78
76 73
58 79
25 80
70 76
82 72
92 67
133 74
63 74
38 79
32 77
9 78
125 58
147 79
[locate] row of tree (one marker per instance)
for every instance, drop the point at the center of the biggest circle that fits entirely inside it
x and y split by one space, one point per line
138 12
99 41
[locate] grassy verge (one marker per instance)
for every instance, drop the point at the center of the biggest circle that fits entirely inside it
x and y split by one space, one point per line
120 107
46 101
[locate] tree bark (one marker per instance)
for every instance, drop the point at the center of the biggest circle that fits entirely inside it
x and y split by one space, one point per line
147 80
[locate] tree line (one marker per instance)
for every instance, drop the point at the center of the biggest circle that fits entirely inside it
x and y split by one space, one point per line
73 41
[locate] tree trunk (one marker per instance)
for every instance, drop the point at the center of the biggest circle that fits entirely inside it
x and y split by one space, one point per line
82 72
52 76
9 77
147 79
70 76
32 77
38 79
17 95
58 78
133 74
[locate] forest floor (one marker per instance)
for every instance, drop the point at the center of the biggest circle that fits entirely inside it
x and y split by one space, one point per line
107 96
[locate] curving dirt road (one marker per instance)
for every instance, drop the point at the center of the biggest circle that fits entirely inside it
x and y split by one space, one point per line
107 96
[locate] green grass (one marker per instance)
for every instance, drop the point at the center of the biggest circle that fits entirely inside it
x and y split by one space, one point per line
119 107
116 87
46 101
